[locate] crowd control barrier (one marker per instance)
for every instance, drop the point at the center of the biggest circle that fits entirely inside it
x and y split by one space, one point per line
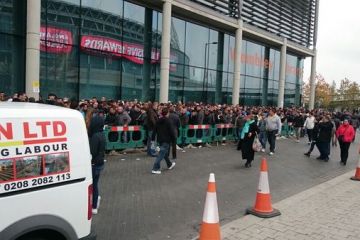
287 130
124 137
222 132
121 137
197 134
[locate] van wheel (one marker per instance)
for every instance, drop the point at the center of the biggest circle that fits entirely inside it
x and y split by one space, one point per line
42 235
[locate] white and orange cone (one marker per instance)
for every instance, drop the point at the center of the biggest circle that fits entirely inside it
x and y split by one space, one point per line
263 206
210 227
357 173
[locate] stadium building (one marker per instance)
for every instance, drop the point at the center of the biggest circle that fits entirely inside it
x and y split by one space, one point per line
215 51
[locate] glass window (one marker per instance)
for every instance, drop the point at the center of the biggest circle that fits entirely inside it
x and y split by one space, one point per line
227 53
254 59
13 17
99 76
197 41
156 34
292 70
12 52
194 85
176 83
60 21
177 34
59 73
211 56
133 34
113 7
274 65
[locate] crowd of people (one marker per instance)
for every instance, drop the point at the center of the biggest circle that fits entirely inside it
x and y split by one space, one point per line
255 125
321 127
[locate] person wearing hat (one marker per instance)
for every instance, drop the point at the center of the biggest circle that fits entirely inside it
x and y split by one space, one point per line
345 135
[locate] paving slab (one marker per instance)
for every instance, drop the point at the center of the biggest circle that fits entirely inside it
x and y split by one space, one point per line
137 205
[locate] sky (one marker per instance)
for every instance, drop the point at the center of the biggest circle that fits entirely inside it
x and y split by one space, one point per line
338 42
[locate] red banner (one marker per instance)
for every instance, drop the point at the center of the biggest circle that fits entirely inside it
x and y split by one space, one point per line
131 51
55 40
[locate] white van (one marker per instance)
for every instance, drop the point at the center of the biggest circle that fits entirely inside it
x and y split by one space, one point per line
45 173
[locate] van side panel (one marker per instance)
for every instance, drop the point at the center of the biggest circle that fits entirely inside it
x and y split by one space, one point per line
45 165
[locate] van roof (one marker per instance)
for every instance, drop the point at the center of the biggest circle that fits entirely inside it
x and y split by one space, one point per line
19 109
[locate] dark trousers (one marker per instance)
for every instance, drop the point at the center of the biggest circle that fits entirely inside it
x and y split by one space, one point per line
344 151
313 143
96 170
324 149
173 150
310 134
271 136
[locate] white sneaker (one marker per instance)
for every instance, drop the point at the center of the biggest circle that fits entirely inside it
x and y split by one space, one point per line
200 146
183 151
172 166
271 153
98 202
156 172
94 211
263 150
223 144
207 145
178 148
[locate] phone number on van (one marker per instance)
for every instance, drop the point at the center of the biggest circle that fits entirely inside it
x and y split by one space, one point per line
35 182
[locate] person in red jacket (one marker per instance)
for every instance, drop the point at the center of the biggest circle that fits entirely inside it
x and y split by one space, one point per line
345 134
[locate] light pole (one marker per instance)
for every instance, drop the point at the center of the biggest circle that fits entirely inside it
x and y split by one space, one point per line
206 61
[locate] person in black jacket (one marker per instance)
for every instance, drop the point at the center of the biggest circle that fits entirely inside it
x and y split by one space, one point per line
247 137
150 121
175 123
324 138
165 134
97 150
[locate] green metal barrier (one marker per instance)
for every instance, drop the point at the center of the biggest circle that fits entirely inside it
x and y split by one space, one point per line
119 137
124 137
287 130
197 134
223 132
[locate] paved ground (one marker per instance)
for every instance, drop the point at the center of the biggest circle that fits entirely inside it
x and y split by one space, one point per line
330 210
137 205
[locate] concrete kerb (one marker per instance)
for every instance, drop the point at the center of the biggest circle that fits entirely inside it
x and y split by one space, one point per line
246 221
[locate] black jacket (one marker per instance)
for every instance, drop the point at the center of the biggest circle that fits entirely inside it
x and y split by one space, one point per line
325 131
298 121
112 119
151 119
164 131
97 140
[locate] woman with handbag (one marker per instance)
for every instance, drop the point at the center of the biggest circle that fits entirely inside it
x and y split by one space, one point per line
345 134
248 134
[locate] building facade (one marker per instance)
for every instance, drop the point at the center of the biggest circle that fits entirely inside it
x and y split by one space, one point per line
222 51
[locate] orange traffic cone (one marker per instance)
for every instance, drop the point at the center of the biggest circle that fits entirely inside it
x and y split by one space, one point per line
357 173
263 206
210 227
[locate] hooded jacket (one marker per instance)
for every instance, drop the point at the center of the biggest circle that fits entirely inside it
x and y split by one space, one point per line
97 140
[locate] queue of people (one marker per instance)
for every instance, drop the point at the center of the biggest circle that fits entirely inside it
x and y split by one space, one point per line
264 123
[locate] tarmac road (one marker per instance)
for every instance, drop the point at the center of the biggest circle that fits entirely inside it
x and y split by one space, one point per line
137 205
